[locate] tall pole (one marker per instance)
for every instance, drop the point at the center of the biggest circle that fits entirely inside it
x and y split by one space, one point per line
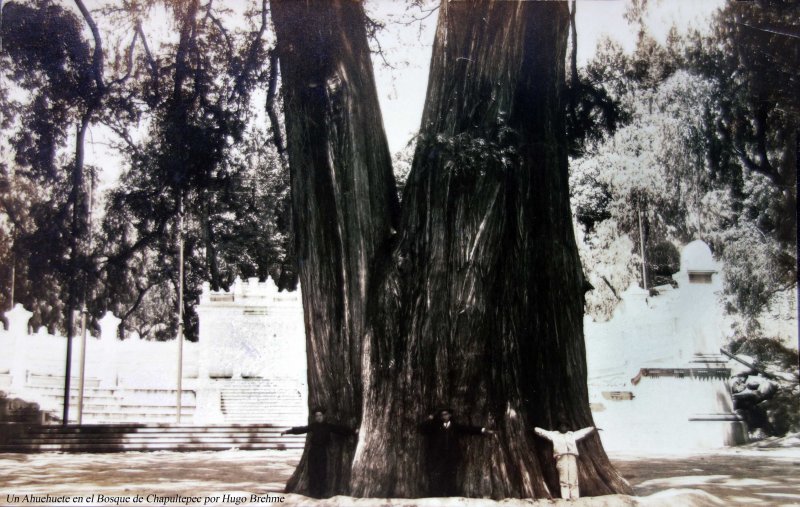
73 274
13 266
12 174
641 246
84 312
1 25
180 308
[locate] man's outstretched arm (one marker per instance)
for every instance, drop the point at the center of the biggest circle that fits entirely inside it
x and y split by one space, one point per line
297 430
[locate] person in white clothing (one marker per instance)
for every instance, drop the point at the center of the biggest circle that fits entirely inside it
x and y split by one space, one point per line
565 452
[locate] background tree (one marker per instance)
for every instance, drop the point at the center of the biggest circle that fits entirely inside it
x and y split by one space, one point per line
752 141
49 60
703 166
189 128
204 153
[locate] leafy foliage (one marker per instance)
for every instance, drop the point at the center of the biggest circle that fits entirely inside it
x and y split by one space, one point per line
751 60
783 409
708 150
190 134
47 67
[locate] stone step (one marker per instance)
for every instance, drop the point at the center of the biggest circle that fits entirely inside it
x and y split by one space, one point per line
90 406
147 428
137 433
166 394
99 406
138 437
73 390
266 414
260 394
165 441
150 412
106 448
107 418
37 380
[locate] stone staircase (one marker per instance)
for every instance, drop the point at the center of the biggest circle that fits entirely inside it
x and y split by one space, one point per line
259 401
117 419
27 438
111 404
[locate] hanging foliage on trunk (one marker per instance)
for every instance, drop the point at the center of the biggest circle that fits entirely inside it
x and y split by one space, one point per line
477 302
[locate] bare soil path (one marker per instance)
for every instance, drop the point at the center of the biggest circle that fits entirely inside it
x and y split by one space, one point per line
736 477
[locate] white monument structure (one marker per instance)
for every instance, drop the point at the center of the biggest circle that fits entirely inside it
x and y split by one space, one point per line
252 365
249 365
657 380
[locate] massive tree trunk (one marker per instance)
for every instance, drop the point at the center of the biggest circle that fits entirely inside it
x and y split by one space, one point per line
481 306
478 302
344 200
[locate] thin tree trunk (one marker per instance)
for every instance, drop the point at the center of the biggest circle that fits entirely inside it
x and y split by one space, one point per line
78 276
344 200
481 305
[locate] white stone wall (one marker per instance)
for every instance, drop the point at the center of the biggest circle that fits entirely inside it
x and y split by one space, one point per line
129 363
659 417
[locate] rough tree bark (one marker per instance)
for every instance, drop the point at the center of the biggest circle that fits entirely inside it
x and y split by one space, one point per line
481 304
343 196
478 301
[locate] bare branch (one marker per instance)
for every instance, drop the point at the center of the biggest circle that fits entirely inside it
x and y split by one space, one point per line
97 58
150 60
223 31
613 291
373 27
415 19
142 292
772 29
129 69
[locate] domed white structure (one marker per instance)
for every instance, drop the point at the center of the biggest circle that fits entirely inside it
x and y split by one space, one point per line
656 378
697 264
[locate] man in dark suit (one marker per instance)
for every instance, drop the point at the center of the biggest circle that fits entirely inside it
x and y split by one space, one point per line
444 451
319 439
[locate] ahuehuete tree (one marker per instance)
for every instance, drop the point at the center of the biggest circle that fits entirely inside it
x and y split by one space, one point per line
472 294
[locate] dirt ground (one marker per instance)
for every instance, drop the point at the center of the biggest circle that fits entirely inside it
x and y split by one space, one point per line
741 477
735 476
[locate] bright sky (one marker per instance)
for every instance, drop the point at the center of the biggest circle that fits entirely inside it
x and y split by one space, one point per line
407 47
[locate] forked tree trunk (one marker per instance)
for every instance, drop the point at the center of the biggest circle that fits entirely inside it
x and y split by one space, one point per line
344 201
481 304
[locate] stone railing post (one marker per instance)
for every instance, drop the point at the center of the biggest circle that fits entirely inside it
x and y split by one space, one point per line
18 319
108 346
